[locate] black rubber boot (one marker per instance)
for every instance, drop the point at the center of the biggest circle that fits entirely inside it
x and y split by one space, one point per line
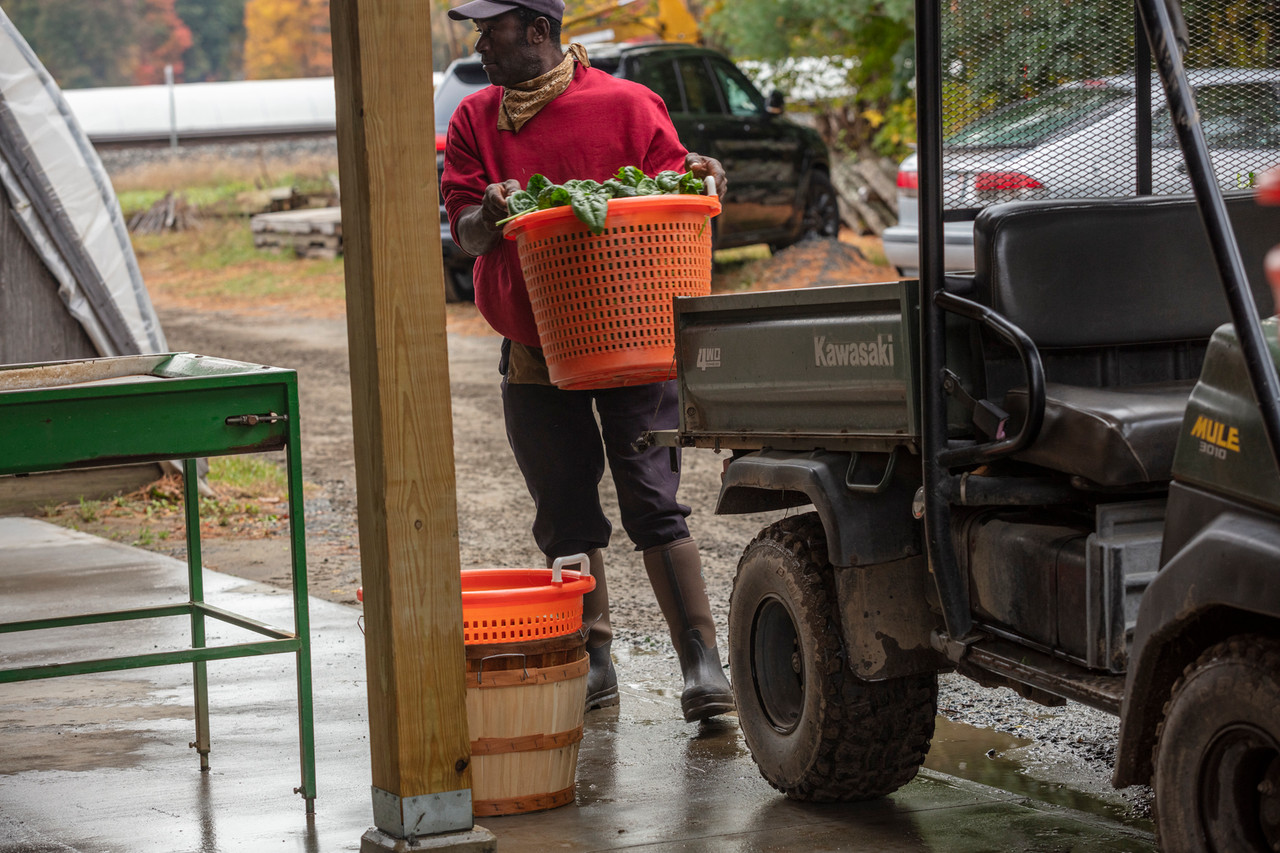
675 572
706 689
602 679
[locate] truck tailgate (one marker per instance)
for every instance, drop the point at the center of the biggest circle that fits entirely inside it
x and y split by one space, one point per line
831 367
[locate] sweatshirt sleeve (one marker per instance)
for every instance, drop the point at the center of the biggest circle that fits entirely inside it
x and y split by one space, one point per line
463 181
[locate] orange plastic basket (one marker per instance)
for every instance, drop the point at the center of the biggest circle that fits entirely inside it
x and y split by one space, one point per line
603 302
518 605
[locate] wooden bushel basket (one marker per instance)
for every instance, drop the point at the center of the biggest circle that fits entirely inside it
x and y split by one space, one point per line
525 703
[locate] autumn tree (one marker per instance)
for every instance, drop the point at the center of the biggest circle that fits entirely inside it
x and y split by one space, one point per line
22 13
217 39
161 39
287 38
872 38
86 43
80 41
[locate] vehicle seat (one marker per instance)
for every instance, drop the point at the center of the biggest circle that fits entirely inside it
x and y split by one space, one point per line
1109 436
1120 297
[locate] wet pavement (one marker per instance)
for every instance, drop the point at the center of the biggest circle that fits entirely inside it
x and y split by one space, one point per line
100 763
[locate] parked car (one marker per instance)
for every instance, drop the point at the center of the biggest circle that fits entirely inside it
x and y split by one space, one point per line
461 79
1051 146
779 171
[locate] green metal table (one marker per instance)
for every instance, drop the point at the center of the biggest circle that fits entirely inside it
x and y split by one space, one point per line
150 408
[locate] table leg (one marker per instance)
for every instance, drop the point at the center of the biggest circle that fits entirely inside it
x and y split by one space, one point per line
195 577
301 616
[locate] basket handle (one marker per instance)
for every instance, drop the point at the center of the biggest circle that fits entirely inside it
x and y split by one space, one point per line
575 560
710 183
524 664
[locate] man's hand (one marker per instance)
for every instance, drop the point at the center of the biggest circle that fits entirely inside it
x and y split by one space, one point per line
478 229
493 208
703 167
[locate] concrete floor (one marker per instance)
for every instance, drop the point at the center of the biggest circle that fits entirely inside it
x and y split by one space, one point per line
100 763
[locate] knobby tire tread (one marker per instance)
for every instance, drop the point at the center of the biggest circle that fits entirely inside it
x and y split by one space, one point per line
874 735
1263 652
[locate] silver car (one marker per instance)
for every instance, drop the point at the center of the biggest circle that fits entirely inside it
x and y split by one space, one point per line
1078 141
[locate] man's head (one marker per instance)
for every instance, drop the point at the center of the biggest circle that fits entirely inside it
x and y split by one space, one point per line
518 40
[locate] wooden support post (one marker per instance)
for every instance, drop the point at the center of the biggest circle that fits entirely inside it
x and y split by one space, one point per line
403 426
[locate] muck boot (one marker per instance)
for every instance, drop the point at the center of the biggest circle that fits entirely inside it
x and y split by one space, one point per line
602 679
675 572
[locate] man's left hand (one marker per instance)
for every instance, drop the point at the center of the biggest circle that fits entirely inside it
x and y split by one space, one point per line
703 167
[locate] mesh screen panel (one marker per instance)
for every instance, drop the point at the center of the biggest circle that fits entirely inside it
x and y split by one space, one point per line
1040 99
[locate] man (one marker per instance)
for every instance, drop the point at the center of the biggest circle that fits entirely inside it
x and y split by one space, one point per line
548 112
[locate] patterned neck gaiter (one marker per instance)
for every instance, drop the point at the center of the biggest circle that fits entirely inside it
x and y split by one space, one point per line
522 101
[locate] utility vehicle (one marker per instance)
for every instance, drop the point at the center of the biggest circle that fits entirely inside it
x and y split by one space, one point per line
1056 472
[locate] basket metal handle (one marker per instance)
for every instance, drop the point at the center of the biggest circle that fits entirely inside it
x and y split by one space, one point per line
574 560
524 664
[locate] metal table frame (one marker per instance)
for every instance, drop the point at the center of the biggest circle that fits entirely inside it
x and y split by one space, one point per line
64 415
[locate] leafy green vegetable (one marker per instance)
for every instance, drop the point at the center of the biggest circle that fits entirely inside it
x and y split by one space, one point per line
521 202
589 199
553 196
591 207
538 183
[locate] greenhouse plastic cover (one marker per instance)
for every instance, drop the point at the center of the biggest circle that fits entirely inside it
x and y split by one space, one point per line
62 198
240 108
208 111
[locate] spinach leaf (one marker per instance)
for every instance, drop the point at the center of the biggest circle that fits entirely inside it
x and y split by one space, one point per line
691 184
591 206
521 202
630 175
617 189
648 186
668 181
553 196
538 183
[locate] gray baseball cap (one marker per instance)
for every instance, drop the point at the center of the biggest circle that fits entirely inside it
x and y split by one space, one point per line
481 9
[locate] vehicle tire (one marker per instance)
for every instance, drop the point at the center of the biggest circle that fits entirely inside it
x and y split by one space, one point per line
459 286
815 731
821 209
1217 752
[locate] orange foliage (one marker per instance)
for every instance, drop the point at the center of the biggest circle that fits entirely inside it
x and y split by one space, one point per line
287 38
162 39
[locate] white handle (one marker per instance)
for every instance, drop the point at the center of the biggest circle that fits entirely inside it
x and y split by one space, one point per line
710 184
575 560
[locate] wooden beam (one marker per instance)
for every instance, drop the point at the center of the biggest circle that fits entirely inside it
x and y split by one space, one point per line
401 417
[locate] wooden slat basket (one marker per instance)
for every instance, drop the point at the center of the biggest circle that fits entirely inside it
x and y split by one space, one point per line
526 696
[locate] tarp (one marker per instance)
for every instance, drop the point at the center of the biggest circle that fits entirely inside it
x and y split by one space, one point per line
62 197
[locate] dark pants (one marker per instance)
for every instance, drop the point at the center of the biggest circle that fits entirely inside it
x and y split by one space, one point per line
558 446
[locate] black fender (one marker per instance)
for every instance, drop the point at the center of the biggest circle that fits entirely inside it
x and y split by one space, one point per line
1224 580
863 500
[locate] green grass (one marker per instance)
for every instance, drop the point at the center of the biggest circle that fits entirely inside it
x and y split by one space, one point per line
249 475
219 261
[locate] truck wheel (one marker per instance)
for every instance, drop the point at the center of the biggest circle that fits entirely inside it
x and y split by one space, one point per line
815 731
821 209
459 286
1217 753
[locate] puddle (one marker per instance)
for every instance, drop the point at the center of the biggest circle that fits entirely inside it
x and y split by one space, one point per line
997 759
1006 762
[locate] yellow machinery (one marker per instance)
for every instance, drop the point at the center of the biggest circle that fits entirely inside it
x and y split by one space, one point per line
633 21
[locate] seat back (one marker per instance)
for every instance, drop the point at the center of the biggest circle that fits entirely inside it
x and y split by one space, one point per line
1114 292
1114 272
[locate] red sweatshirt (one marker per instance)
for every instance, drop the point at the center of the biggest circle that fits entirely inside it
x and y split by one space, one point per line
595 127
